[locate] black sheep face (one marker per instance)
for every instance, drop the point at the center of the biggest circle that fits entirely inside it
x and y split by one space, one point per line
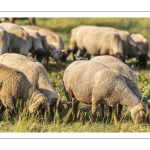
142 61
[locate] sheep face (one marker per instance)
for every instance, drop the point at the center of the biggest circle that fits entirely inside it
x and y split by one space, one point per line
138 114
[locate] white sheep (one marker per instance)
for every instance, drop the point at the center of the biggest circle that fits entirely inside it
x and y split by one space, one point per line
141 41
36 74
53 41
124 70
93 83
20 41
14 85
91 40
37 47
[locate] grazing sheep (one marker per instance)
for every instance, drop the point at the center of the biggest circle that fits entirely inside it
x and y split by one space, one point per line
36 74
4 41
124 70
14 85
130 48
20 41
37 47
93 83
53 41
140 40
95 42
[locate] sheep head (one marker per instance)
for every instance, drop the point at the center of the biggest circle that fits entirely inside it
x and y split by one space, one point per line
38 102
138 113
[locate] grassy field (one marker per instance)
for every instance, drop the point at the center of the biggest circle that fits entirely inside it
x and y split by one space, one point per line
28 123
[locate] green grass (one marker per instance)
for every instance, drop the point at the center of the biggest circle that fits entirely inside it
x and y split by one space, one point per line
29 123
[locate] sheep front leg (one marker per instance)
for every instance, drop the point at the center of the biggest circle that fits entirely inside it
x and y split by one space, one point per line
94 109
115 115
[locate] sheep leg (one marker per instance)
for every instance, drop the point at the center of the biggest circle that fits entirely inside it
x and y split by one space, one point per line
119 111
69 98
115 115
75 110
110 112
74 52
102 111
82 52
2 111
86 55
94 109
12 114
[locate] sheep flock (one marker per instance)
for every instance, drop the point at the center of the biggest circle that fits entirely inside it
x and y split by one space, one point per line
97 75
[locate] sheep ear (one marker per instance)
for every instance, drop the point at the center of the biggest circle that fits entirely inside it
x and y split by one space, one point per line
65 102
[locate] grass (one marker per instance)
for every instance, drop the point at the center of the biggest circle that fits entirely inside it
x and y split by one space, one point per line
63 26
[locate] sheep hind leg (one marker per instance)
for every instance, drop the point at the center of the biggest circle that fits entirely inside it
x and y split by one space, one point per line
94 110
75 109
69 98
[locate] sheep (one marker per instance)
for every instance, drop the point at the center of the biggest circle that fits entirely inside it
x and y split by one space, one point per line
95 42
36 74
37 47
141 41
4 41
53 41
125 71
93 83
130 48
20 41
14 85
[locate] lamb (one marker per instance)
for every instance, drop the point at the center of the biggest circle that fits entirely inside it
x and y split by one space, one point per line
15 85
95 42
20 41
4 41
84 80
36 74
124 70
37 47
